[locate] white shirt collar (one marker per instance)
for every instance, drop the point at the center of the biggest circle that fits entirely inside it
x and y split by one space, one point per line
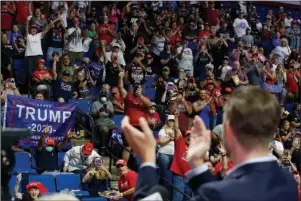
253 160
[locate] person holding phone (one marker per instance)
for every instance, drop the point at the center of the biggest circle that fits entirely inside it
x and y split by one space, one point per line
9 88
97 178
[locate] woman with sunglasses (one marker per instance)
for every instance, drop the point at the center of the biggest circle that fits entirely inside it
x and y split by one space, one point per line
97 178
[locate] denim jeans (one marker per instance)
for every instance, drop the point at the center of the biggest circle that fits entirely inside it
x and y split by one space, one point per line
181 183
164 162
213 119
51 50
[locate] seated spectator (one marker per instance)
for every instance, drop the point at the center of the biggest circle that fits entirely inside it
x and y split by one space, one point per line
97 178
126 182
286 162
225 162
41 75
222 100
236 77
79 158
9 88
19 46
294 117
103 112
86 41
39 95
153 117
64 88
117 101
34 190
48 148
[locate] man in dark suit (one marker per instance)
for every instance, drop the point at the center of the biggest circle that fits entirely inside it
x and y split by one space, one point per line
251 116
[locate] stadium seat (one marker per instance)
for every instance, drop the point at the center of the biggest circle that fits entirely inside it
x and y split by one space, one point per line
68 181
289 107
61 156
150 93
82 104
117 119
95 199
11 185
46 180
23 164
149 81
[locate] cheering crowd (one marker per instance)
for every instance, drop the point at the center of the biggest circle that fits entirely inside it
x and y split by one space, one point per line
165 61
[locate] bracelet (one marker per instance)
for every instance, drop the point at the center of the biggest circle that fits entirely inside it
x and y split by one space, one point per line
15 88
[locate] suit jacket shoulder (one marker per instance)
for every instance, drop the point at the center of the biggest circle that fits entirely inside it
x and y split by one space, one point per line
253 182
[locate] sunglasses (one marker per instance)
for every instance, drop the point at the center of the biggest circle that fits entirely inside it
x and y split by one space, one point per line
119 166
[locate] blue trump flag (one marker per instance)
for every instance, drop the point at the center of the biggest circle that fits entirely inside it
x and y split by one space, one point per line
35 115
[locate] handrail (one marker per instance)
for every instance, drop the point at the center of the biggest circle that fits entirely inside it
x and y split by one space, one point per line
90 118
43 82
110 166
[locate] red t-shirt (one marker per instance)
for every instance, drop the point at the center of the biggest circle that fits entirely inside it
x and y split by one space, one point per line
291 85
22 12
126 182
102 32
41 73
153 117
219 166
211 17
6 17
134 108
179 164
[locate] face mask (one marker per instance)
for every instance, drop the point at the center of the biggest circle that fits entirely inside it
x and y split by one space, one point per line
49 148
103 99
265 28
152 111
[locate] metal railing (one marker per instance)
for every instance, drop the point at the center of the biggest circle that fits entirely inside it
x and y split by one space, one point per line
89 118
132 154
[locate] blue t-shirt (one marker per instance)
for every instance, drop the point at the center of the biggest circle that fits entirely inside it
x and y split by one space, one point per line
64 90
253 76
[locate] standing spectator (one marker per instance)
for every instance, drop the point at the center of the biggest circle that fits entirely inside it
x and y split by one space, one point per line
56 40
292 83
236 77
38 20
64 88
24 10
117 100
211 15
33 50
9 89
167 149
75 45
202 107
240 25
106 31
186 59
136 106
253 70
293 34
8 9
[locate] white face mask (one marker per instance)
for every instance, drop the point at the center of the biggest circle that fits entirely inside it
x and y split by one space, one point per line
103 99
49 148
151 111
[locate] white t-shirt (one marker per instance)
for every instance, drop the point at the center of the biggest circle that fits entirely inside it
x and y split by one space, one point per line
75 44
240 26
120 57
224 71
186 61
33 45
86 44
169 148
288 22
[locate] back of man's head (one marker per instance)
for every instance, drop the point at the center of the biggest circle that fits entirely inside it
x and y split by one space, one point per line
253 115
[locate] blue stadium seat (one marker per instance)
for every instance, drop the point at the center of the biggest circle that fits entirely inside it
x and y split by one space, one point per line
289 107
68 181
82 104
23 164
60 158
11 185
117 119
95 199
46 180
150 93
149 81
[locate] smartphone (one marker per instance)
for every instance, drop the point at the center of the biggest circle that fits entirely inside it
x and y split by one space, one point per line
98 162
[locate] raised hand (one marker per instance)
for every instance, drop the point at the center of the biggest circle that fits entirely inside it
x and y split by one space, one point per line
200 140
143 143
19 177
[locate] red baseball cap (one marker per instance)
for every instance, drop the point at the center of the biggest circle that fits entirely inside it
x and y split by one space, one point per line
34 26
87 148
50 141
37 185
121 162
40 61
149 56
